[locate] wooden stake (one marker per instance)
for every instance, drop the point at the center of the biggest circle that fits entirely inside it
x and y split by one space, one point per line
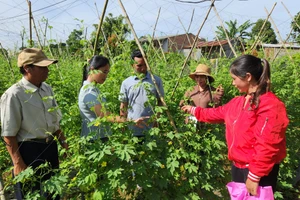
148 67
192 48
99 27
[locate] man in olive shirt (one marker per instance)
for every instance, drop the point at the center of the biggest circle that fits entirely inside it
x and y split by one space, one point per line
30 118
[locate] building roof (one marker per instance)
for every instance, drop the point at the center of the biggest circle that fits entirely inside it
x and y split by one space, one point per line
211 43
292 46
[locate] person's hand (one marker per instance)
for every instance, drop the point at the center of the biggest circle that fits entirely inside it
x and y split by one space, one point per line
252 187
186 108
140 122
18 168
220 90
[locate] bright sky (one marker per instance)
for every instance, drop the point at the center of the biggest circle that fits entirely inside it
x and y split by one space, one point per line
175 17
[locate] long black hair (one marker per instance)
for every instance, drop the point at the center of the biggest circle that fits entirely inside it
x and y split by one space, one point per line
94 63
260 71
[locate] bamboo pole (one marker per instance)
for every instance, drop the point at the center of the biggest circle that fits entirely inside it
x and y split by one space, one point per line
99 26
30 25
187 31
278 33
222 49
209 52
152 38
45 32
193 46
227 37
107 46
280 47
260 31
192 17
148 67
22 38
44 37
158 41
242 43
8 60
291 15
36 32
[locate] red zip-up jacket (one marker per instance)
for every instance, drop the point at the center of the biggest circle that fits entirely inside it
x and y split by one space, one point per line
255 137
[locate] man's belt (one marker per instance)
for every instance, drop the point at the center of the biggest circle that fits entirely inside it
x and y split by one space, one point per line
46 140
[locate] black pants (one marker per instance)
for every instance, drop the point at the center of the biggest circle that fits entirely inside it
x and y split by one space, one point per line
240 175
34 154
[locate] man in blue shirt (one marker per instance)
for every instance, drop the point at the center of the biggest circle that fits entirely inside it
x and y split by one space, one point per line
137 94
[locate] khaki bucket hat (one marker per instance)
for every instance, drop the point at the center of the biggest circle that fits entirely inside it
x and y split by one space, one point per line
202 70
34 56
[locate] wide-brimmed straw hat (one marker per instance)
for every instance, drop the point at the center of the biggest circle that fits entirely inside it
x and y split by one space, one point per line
202 70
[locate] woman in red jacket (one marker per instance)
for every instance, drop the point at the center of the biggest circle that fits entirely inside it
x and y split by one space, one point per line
255 122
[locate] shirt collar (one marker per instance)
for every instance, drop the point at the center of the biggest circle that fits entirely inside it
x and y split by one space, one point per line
196 90
86 82
146 77
29 86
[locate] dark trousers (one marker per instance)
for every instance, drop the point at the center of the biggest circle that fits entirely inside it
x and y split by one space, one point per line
240 175
34 154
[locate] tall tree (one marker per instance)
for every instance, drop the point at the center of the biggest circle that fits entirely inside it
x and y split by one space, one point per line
233 30
114 32
295 24
74 40
267 35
